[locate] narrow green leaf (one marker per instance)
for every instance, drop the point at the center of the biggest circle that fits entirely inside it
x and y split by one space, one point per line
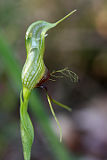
50 105
61 105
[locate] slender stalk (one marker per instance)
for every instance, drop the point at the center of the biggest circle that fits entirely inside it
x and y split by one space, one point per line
27 131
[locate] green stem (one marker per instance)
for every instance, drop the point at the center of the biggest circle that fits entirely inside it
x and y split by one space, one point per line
27 131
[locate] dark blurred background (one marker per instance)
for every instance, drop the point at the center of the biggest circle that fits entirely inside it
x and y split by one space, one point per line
80 43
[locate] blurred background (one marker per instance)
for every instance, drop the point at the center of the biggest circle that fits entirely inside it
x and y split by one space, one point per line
80 43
